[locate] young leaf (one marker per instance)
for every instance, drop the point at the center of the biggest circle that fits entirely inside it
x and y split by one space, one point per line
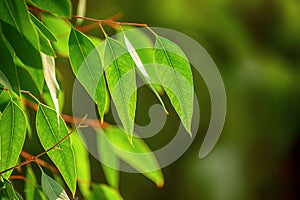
58 7
50 78
109 160
50 134
101 191
82 164
138 156
20 32
44 30
52 189
12 137
8 72
120 75
149 80
86 64
176 78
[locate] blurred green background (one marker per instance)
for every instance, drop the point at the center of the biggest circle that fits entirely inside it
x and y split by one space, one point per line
256 46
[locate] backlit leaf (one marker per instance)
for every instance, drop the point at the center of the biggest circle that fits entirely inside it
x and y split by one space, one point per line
50 134
12 137
19 31
121 80
175 75
50 78
82 164
109 160
44 30
8 71
138 156
102 191
59 7
52 189
86 64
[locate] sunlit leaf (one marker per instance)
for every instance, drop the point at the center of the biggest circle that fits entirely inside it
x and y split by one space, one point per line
9 191
12 137
45 45
82 164
61 30
176 78
140 65
50 78
8 72
52 189
86 64
44 30
49 135
121 80
58 7
32 190
138 156
101 191
19 31
109 160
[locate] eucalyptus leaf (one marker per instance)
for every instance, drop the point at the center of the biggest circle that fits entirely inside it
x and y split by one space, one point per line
109 161
83 167
58 7
86 65
12 137
121 80
8 71
50 78
19 31
175 75
52 189
42 28
50 134
139 156
102 191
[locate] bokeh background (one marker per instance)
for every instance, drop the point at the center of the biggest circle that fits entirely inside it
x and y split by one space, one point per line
256 46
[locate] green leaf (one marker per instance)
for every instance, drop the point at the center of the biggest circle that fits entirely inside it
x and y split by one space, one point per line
140 64
50 78
86 64
58 7
44 30
121 80
12 137
32 190
176 78
8 72
19 31
50 134
101 191
138 156
82 164
9 190
52 189
46 45
61 30
109 160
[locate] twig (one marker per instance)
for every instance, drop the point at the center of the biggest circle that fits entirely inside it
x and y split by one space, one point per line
43 153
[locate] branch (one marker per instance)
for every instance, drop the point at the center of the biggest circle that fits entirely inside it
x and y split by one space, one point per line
43 153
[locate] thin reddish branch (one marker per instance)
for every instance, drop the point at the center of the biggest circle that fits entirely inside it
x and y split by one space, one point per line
39 161
33 159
